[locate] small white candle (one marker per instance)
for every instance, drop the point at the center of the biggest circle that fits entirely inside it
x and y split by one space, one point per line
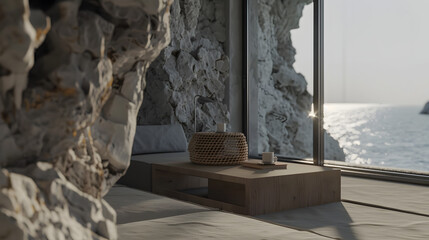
221 127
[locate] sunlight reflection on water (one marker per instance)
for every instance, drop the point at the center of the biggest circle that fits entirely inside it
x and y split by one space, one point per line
380 135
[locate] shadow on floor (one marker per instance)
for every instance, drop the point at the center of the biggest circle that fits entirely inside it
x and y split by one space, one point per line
133 205
333 217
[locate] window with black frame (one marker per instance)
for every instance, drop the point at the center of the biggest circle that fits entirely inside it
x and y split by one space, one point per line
280 105
375 78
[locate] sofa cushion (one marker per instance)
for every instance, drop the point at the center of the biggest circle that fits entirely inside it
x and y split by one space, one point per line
139 174
159 139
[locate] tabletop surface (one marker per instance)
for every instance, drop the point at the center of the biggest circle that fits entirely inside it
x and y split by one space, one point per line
241 172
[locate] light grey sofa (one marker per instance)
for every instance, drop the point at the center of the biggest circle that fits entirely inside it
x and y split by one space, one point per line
139 174
154 144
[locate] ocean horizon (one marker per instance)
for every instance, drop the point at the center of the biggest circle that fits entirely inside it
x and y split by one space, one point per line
382 135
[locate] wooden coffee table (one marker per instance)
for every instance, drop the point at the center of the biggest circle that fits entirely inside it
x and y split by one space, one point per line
245 190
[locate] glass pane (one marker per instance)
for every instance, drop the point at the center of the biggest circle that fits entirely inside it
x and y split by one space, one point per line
376 56
284 95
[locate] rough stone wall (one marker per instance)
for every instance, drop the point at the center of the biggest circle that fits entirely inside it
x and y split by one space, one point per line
284 103
72 75
194 63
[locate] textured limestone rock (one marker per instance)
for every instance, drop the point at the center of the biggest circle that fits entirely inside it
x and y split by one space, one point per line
194 63
425 109
284 103
72 75
65 213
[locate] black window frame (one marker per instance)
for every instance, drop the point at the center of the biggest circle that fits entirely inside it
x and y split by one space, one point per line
250 101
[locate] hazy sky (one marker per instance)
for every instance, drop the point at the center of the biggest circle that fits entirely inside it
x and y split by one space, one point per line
376 51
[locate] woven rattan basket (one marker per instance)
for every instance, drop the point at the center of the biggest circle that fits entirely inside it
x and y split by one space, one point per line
212 148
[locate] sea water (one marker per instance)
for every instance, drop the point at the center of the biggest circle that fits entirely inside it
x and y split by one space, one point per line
380 135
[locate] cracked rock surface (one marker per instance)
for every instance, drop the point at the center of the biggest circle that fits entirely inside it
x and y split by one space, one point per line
72 75
284 103
195 63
